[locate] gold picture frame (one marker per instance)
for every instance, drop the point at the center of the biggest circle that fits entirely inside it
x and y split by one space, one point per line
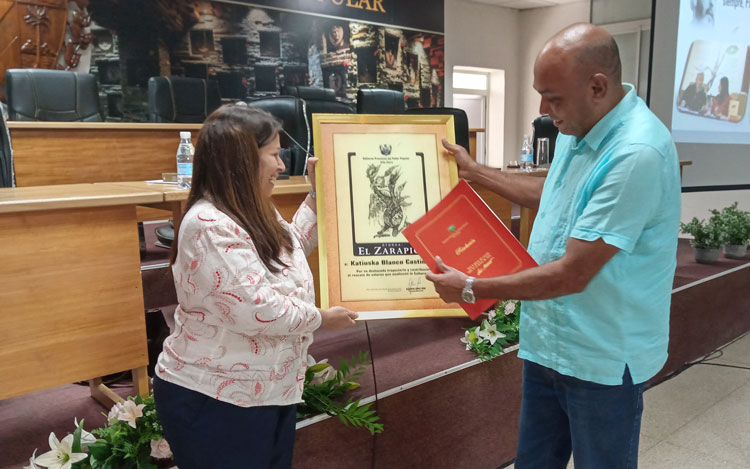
375 174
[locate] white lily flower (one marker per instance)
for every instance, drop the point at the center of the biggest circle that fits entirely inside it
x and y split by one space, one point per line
510 307
160 449
61 455
467 339
114 412
326 374
311 361
32 464
490 333
130 412
87 439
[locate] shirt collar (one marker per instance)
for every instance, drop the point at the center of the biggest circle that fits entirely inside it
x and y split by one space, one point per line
606 124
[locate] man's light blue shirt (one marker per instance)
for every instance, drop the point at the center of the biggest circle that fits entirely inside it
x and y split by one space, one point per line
621 183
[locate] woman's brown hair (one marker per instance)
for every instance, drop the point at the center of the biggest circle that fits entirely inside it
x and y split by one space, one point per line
225 171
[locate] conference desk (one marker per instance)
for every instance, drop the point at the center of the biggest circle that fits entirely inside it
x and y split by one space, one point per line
72 296
71 287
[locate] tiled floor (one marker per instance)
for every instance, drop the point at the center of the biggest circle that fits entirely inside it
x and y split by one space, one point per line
700 419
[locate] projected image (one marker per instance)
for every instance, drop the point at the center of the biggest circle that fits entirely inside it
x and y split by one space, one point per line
711 73
715 81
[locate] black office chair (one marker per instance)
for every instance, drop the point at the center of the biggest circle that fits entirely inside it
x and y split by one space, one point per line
310 92
181 99
6 155
291 112
380 101
460 121
544 127
318 101
293 115
51 95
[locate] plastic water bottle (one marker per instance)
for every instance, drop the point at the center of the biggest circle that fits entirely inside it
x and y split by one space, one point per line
527 154
185 161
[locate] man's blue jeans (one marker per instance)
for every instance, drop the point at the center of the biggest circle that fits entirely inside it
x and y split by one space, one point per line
559 413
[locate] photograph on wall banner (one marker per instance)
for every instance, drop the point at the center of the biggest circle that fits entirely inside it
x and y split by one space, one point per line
376 175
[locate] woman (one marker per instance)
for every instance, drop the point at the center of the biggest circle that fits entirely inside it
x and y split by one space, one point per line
232 371
720 103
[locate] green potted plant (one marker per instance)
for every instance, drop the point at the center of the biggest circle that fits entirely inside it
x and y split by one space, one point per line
735 224
708 238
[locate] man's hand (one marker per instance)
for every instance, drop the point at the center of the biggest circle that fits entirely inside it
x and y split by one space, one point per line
466 165
449 282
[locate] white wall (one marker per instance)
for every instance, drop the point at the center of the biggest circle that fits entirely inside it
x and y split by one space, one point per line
618 11
699 204
480 35
538 25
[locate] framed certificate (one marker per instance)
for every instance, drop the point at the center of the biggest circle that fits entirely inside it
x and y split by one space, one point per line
376 175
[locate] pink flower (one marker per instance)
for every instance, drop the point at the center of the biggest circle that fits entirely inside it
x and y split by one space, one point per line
160 449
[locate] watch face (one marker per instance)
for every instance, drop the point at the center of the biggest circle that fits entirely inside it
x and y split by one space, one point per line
468 296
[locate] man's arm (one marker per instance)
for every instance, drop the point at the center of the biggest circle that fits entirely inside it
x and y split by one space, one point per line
569 274
523 190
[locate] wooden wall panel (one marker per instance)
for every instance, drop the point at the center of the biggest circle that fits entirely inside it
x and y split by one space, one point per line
10 40
55 153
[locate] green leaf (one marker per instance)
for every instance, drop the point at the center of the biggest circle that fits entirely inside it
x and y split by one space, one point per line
100 450
76 446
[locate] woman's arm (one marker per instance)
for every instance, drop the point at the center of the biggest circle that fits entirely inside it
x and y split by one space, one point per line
221 275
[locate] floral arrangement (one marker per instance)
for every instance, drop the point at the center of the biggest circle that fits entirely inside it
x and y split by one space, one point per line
499 329
324 385
132 438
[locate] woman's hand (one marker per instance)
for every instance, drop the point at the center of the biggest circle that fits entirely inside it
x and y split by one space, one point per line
311 171
337 318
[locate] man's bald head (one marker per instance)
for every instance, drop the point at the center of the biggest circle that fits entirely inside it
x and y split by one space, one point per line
588 49
579 76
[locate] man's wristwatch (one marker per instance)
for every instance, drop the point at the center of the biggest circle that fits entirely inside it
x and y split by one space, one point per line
467 294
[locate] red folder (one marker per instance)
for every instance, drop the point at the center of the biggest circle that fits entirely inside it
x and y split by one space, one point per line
468 236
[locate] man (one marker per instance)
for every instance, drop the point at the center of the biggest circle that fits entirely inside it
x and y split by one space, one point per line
594 327
336 38
694 97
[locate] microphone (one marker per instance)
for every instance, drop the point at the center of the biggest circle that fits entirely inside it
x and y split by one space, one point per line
307 153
